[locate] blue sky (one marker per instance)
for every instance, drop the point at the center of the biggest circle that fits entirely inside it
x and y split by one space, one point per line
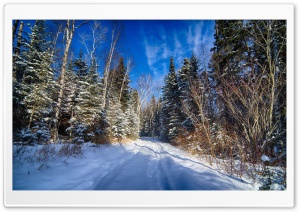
151 43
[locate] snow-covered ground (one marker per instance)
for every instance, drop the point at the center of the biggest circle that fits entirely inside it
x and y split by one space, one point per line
144 164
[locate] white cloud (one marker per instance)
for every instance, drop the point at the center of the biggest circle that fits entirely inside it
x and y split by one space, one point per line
157 50
156 47
194 37
180 43
151 53
177 43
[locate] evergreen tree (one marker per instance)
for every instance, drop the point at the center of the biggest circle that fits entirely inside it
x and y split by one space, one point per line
156 119
116 119
121 84
19 65
184 82
89 120
228 60
38 81
194 67
133 120
170 119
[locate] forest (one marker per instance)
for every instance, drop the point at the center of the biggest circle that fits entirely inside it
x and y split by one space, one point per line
226 104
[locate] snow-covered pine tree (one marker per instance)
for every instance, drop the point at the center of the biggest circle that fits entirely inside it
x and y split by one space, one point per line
116 119
187 77
19 65
133 120
68 103
119 128
184 81
98 129
89 121
152 109
156 119
170 119
165 109
121 84
38 82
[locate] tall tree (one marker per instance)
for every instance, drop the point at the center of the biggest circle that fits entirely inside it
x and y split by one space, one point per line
227 60
133 120
38 81
170 109
69 33
115 36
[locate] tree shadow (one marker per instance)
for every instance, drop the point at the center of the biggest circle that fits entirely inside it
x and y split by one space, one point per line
166 174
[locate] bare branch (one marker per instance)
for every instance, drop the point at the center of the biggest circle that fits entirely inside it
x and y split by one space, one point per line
83 23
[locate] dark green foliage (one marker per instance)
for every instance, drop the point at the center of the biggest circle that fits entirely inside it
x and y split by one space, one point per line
33 90
170 112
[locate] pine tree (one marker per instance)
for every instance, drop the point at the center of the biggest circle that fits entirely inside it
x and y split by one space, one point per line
38 82
68 37
116 119
121 84
188 78
156 119
228 60
89 120
184 82
69 103
19 65
133 120
170 119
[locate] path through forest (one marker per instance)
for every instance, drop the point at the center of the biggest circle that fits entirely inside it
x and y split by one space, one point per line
144 164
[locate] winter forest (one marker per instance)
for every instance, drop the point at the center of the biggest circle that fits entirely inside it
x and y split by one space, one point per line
82 99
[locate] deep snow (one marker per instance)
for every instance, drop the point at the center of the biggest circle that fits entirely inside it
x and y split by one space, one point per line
144 164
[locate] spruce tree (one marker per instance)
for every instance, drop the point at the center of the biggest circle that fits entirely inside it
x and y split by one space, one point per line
38 82
133 120
170 112
121 84
228 59
19 65
156 119
88 119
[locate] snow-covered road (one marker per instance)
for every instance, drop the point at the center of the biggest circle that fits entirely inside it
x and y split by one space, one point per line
145 164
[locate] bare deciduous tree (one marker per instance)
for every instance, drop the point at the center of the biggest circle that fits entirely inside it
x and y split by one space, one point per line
129 67
145 85
115 36
93 39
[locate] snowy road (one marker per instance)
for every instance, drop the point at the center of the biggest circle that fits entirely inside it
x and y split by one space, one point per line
145 164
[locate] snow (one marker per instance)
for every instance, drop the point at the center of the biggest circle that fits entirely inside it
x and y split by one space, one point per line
265 158
144 164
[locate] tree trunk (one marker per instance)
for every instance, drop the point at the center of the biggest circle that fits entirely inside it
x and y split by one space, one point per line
114 40
69 30
17 50
15 26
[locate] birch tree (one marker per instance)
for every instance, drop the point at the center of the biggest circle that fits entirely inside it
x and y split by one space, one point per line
114 38
68 35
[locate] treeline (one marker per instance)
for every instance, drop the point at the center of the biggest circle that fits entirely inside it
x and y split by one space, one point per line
57 97
235 108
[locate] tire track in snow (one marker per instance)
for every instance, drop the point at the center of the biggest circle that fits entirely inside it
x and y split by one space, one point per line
110 172
156 171
106 169
153 168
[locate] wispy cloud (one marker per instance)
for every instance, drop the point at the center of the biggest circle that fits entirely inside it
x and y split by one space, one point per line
194 37
157 51
151 52
179 43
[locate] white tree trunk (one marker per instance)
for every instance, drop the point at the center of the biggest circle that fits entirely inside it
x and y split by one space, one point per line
69 30
114 40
